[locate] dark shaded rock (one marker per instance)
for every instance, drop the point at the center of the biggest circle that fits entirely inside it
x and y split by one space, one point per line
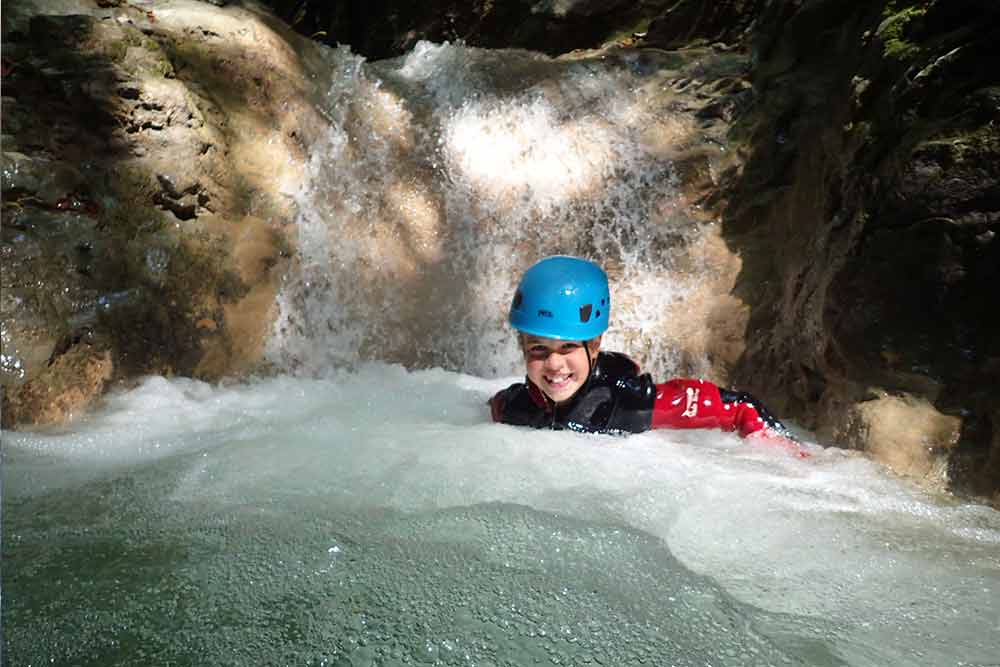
382 29
867 210
691 21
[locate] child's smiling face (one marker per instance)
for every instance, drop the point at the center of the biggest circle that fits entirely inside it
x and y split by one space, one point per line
558 367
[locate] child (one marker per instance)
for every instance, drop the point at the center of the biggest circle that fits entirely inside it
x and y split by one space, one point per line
561 309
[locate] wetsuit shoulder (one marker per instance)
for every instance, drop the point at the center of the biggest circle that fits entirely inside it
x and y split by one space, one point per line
615 364
499 400
519 405
617 399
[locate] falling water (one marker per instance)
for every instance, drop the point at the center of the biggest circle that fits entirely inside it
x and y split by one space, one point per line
445 173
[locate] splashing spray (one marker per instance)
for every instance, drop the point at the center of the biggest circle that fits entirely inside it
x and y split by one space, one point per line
444 174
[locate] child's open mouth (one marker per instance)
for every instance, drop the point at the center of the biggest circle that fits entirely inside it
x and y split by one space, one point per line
558 381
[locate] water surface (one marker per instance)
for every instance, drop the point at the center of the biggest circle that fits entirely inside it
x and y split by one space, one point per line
375 517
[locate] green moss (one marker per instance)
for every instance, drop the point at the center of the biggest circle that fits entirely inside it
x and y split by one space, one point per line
130 215
115 51
894 29
893 7
161 64
971 146
164 68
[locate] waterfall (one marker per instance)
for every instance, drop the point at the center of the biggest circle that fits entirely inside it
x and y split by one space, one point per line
444 173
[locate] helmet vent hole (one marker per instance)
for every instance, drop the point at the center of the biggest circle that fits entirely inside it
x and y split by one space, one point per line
597 314
585 312
518 298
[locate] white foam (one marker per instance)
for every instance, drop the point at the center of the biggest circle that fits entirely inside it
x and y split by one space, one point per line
883 569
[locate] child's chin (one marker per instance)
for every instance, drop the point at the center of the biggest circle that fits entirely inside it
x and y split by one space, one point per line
562 394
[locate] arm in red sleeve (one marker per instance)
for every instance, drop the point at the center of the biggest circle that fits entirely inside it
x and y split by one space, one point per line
684 403
701 404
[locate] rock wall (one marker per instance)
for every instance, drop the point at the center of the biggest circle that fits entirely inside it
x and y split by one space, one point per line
146 156
867 210
382 28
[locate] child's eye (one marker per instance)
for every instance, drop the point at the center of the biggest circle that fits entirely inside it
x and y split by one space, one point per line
543 351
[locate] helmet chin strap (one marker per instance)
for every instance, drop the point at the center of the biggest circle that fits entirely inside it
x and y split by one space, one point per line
590 362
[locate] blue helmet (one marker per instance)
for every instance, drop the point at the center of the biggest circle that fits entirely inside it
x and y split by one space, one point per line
562 297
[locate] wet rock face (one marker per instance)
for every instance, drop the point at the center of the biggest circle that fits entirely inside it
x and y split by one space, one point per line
382 29
143 215
872 181
681 24
63 389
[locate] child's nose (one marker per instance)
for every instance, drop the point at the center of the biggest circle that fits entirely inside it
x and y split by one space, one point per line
553 360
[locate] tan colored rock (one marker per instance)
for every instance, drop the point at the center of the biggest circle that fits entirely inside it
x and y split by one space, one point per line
711 322
904 432
172 192
234 342
69 386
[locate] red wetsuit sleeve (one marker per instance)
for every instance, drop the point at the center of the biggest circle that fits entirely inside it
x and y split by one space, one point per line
684 403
